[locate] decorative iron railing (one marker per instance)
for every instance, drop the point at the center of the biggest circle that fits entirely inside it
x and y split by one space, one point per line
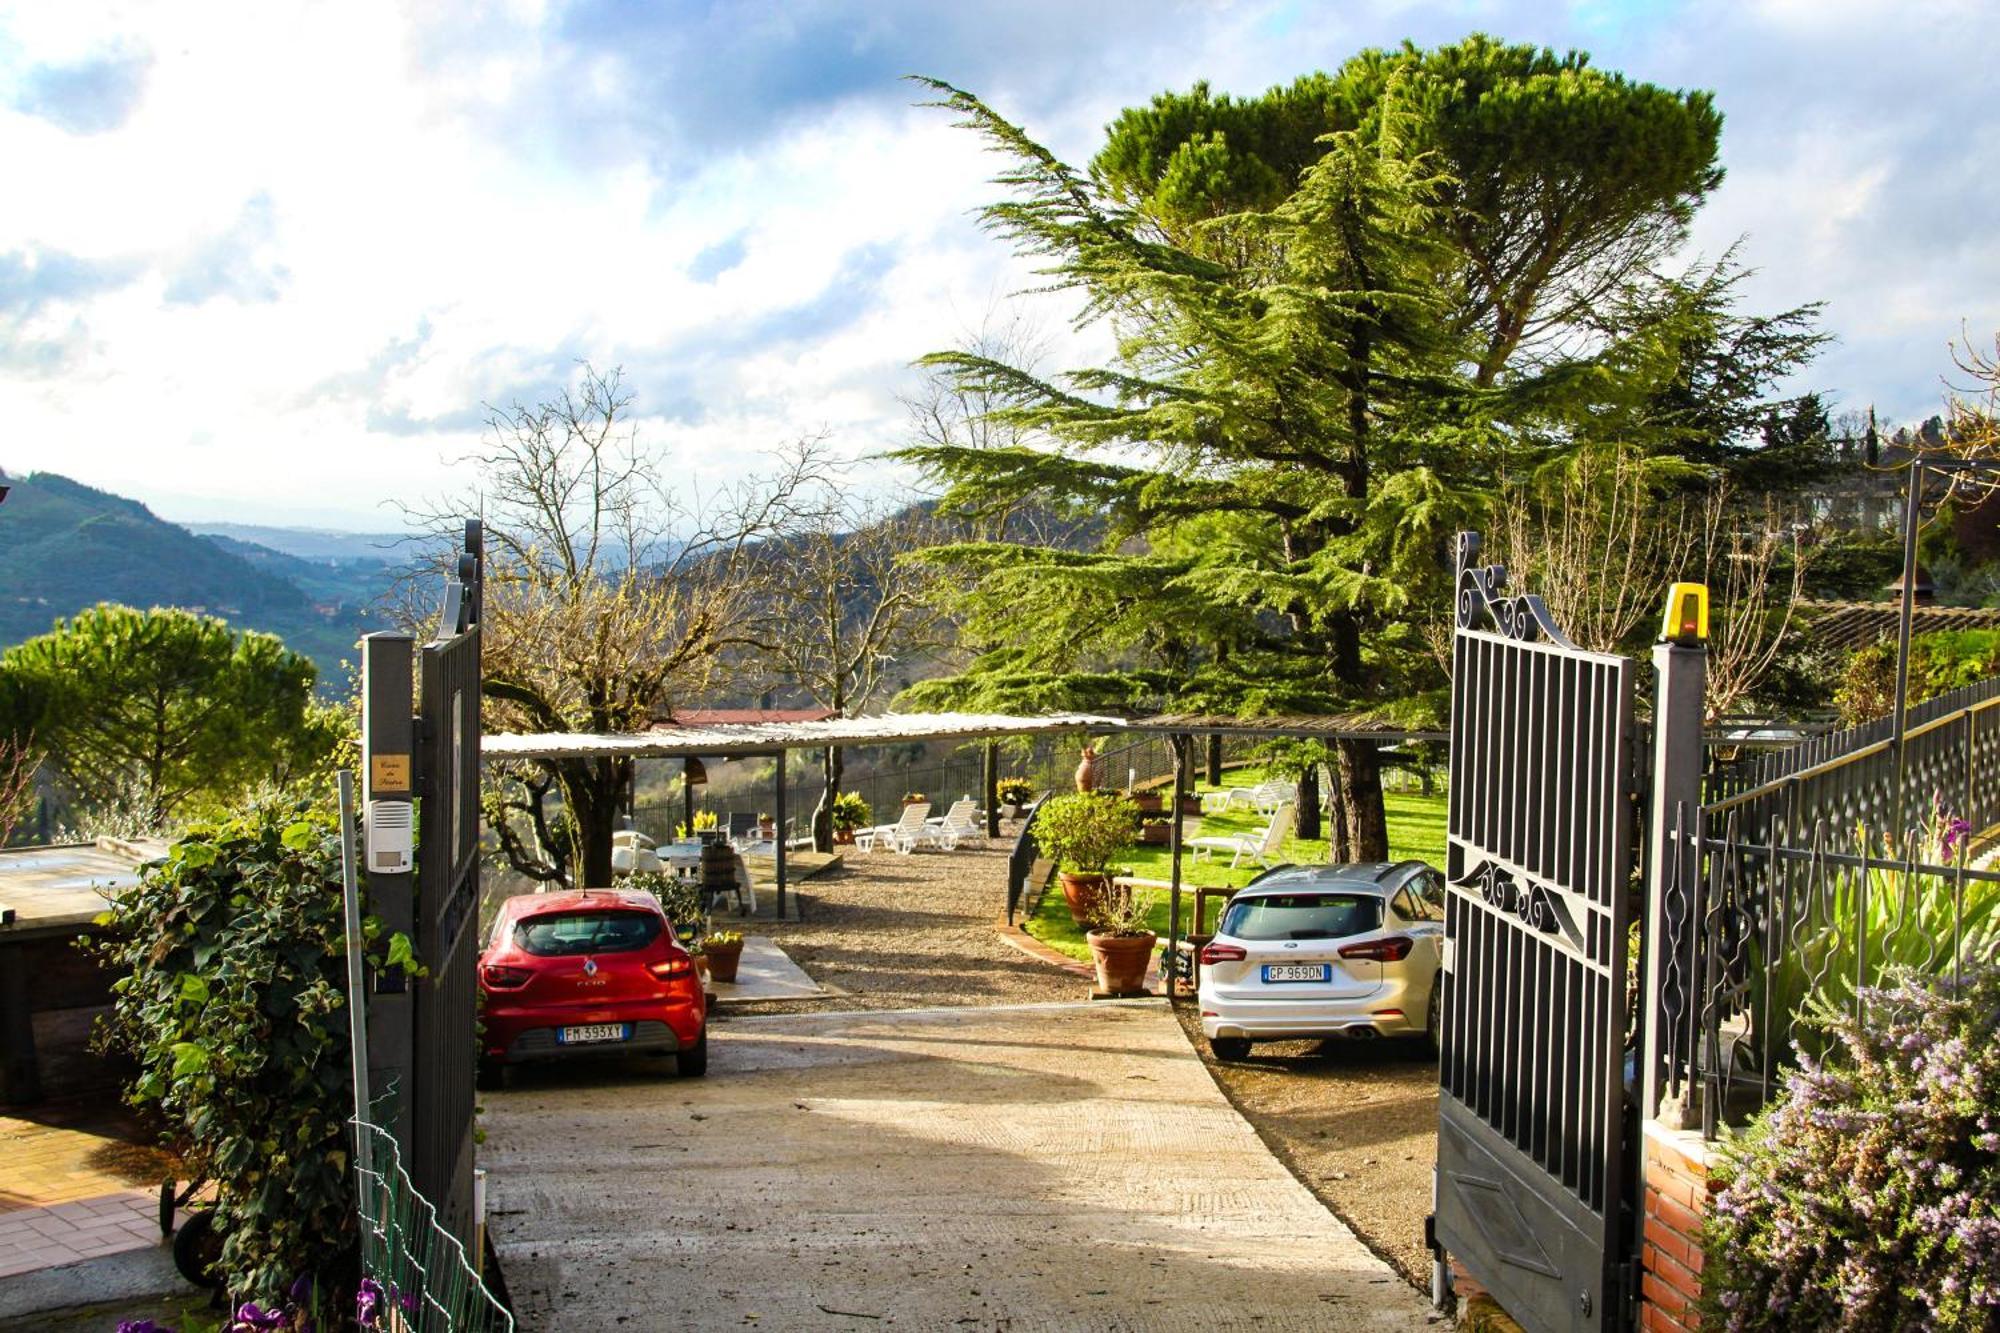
1796 895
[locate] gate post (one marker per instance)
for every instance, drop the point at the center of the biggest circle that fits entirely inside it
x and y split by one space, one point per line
388 761
1680 662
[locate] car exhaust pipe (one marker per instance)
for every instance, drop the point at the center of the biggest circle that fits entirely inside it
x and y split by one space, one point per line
1362 1030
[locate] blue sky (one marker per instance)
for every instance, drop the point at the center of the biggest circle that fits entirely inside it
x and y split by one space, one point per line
266 262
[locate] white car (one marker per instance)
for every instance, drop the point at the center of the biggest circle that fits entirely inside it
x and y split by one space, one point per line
1324 951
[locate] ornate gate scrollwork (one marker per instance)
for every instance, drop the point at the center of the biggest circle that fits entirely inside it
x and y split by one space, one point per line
1523 617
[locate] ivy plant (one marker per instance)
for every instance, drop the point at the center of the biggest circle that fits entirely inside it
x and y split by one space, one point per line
230 996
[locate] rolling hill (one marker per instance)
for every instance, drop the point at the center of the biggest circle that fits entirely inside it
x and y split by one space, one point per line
65 546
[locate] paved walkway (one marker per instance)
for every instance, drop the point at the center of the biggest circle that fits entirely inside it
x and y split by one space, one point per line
1020 1168
73 1187
765 973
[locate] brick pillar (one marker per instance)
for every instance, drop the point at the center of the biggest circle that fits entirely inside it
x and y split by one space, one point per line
1677 1191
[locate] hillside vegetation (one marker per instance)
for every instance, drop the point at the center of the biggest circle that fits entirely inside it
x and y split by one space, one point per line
65 546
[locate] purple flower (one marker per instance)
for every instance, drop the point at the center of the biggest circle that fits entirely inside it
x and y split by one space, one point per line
1956 829
368 1303
301 1289
253 1318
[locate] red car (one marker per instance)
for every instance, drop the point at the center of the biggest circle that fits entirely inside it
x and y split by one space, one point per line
591 973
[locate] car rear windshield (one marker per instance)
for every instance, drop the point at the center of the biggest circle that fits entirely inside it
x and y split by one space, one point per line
556 934
1302 916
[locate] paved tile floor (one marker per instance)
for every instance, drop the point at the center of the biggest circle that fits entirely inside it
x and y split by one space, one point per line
76 1182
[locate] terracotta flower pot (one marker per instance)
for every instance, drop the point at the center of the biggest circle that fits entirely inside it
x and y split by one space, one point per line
843 837
1086 770
701 969
1157 834
1081 893
1149 802
1121 960
1191 806
722 960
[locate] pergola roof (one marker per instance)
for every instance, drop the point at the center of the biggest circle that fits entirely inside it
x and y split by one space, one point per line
1327 727
732 738
1858 624
765 737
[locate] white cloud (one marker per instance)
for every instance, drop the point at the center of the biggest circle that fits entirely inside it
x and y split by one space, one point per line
450 205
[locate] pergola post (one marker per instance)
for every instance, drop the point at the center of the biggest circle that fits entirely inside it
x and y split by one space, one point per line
990 781
1183 751
781 839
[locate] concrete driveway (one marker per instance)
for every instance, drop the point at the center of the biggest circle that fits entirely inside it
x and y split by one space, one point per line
1055 1166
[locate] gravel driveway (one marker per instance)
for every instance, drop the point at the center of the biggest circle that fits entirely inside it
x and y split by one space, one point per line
893 932
1022 1168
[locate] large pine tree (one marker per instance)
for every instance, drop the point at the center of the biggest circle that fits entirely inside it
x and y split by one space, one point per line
1339 313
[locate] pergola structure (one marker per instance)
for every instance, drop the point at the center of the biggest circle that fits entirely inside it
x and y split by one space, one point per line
777 739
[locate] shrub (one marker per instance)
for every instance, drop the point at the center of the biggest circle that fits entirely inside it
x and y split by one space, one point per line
679 898
1015 791
231 997
1083 831
1939 662
1869 1196
850 811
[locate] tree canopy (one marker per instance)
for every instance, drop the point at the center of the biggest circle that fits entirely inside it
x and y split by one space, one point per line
142 711
1344 311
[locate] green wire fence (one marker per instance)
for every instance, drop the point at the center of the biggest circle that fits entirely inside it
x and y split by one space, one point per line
421 1278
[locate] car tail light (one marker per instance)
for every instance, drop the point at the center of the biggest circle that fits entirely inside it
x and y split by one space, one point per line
1394 949
505 978
1222 953
678 965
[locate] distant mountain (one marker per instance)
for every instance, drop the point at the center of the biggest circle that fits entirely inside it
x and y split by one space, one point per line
315 544
65 546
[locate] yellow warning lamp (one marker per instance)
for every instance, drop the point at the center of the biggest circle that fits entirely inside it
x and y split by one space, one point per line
1687 615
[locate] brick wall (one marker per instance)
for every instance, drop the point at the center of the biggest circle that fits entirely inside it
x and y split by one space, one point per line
1676 1190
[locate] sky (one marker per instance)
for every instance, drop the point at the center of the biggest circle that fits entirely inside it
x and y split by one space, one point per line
270 262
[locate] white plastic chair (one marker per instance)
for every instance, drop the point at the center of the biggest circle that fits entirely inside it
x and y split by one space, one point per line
1262 846
960 824
903 836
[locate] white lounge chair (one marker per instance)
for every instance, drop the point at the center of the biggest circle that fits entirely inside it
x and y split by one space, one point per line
1264 798
1261 846
904 836
961 823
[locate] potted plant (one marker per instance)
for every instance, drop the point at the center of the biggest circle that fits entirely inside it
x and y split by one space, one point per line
697 947
767 827
724 949
1191 805
1082 832
914 798
1149 802
1121 941
1014 794
850 812
1156 832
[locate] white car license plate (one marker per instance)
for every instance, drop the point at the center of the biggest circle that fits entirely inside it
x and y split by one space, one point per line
593 1032
1295 971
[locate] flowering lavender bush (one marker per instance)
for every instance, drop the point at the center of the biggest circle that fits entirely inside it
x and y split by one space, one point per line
1868 1197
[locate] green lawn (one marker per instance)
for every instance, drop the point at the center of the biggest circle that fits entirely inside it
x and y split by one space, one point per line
1416 829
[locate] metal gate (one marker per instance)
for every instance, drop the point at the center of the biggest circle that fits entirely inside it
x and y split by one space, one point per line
444 1048
1531 1186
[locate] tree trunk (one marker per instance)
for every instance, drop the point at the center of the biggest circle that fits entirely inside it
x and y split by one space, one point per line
593 804
1361 783
1337 845
1215 759
831 766
1308 814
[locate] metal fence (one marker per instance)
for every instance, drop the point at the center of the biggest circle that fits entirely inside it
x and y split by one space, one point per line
1793 896
417 1275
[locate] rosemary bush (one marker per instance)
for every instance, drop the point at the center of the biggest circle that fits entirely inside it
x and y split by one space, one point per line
1868 1197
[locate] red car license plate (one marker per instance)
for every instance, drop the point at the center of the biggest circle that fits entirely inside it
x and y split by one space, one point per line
590 1032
